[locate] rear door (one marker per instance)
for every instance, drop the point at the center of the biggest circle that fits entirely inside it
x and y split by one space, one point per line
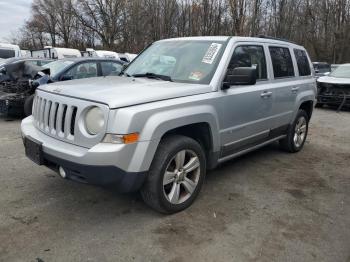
285 86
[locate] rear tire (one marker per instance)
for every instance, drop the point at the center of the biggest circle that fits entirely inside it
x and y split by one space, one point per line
28 105
176 175
297 133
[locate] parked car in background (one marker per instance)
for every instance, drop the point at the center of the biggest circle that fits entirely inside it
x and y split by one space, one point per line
183 106
58 70
8 51
75 68
321 68
334 89
15 85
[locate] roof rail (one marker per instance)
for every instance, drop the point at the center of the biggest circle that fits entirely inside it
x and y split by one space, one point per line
276 38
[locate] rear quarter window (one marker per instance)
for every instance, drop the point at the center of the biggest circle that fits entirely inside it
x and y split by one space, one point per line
281 62
303 62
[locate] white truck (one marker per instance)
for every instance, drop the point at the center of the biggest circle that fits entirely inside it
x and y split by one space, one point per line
56 53
126 57
9 51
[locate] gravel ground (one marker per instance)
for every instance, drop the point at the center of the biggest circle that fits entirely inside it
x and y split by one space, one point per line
265 206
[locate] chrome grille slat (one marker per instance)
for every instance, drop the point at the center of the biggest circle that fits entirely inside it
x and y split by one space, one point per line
52 118
42 108
59 121
46 115
67 123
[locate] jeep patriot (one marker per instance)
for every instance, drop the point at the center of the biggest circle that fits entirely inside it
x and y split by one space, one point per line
183 106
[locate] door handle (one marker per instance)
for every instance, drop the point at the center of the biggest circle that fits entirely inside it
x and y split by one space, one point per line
266 94
295 89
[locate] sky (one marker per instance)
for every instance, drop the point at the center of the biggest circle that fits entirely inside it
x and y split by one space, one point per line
13 14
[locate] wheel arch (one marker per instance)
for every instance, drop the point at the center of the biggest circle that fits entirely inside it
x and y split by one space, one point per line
199 123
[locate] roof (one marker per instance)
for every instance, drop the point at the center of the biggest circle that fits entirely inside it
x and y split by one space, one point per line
236 38
3 45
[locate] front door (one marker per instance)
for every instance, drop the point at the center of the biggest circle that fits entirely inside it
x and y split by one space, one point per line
247 109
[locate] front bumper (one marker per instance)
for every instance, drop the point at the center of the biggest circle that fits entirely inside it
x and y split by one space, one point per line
334 100
104 164
11 106
106 176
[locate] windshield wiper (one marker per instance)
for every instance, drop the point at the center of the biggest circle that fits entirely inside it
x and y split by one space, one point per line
154 76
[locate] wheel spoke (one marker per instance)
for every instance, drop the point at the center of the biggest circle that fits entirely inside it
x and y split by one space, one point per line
303 129
191 165
297 126
174 194
300 140
189 185
169 177
180 159
295 139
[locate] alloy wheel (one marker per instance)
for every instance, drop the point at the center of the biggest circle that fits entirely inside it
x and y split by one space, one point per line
181 176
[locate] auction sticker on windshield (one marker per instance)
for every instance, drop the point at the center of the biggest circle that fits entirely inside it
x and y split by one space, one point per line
211 53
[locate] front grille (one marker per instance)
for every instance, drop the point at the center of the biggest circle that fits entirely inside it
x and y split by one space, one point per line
55 118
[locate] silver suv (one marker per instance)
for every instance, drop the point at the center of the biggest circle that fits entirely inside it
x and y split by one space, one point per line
183 106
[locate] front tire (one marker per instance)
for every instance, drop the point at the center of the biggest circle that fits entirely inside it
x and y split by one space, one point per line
176 175
297 133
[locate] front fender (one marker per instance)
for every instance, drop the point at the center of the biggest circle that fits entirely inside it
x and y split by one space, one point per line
162 122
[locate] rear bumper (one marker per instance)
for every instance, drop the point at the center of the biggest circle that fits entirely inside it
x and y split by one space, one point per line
106 176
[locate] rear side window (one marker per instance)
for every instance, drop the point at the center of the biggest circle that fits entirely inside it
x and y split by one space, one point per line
303 62
282 62
249 56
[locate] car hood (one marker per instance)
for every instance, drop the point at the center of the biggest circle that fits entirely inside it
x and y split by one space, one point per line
334 80
116 91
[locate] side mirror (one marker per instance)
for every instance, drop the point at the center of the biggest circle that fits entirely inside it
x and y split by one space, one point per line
240 76
66 78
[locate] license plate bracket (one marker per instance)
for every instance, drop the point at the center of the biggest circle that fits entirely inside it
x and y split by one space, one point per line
34 150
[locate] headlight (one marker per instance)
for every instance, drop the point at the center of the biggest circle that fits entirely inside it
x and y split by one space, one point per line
94 120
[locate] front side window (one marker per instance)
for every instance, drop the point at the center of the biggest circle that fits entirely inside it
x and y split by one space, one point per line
84 70
111 68
189 61
303 62
249 56
282 62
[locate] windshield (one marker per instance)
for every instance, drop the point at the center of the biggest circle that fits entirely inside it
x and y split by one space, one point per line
6 53
189 61
57 66
342 71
